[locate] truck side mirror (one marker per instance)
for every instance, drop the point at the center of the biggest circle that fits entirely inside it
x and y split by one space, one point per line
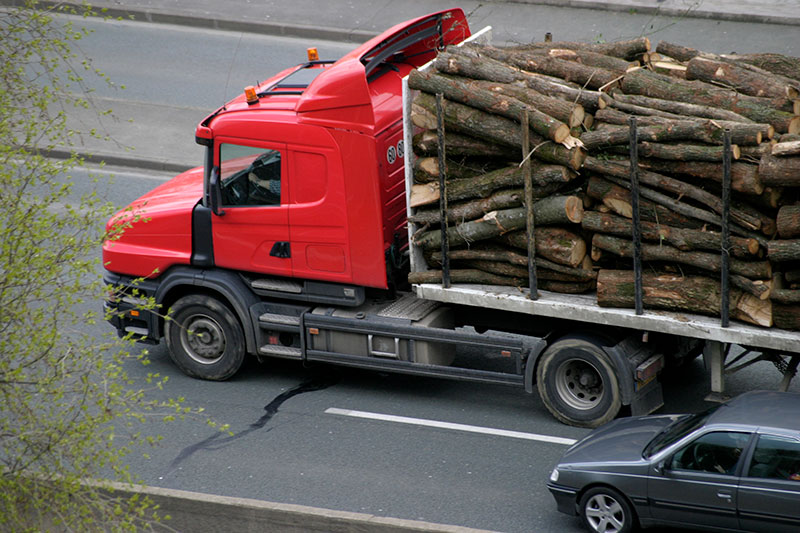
215 192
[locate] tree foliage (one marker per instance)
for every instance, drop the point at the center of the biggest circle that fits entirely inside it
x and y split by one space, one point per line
68 411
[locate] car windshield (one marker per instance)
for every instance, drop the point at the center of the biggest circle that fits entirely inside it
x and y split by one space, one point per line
676 431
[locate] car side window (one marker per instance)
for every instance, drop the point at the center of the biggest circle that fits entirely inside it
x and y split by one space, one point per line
717 452
250 176
776 457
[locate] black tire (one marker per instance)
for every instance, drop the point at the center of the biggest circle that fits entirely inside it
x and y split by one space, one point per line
578 383
204 338
604 510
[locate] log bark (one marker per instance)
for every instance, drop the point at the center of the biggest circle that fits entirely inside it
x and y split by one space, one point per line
426 143
570 114
707 261
785 296
788 221
679 128
760 110
681 238
678 108
682 151
546 280
590 58
513 258
739 78
744 176
545 178
470 121
780 171
548 210
628 50
618 199
776 63
464 276
786 316
583 75
457 90
783 149
426 169
694 294
783 250
556 244
659 181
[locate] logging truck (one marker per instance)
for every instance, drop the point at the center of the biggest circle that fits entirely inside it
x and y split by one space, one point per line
298 239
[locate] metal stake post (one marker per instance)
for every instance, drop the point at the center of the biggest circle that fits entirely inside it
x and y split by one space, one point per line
443 191
533 294
633 140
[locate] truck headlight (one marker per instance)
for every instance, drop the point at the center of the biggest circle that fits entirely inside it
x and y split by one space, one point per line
554 475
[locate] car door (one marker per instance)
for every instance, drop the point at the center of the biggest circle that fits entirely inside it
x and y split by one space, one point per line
253 233
697 485
769 492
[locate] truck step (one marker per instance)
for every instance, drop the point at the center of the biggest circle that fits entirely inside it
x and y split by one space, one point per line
281 285
409 307
279 350
267 319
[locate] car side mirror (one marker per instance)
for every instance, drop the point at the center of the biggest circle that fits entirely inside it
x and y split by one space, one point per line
215 192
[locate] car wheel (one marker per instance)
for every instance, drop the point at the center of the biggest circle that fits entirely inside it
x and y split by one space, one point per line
604 510
204 338
578 383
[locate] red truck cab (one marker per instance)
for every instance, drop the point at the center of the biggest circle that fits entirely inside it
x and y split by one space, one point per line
303 179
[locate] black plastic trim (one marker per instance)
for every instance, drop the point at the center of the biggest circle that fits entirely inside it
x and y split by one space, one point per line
202 237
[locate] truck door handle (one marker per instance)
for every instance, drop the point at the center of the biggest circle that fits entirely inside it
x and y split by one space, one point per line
281 249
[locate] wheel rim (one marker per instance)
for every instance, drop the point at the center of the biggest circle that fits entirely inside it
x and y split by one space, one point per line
579 384
203 339
604 514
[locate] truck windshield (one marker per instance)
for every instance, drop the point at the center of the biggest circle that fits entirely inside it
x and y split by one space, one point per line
676 431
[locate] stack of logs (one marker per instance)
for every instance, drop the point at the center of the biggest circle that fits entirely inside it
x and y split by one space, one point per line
578 99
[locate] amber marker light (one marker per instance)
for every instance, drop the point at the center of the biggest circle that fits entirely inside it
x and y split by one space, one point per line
313 55
250 95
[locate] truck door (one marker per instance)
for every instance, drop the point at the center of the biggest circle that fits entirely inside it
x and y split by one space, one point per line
253 233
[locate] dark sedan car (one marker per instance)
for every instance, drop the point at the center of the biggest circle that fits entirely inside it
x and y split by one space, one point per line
735 467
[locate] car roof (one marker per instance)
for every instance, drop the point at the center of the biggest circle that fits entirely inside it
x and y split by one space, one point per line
760 409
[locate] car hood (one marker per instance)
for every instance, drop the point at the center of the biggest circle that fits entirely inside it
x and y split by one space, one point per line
621 440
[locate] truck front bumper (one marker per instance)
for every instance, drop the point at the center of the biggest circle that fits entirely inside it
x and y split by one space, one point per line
124 307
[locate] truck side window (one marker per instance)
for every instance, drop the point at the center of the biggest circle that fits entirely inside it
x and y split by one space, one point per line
776 458
250 176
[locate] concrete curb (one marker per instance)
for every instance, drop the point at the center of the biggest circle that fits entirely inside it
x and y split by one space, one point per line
120 161
207 513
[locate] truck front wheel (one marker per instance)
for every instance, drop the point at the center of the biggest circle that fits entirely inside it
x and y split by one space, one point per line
204 338
577 382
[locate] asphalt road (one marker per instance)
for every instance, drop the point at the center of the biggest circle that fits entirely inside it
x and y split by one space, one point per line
287 445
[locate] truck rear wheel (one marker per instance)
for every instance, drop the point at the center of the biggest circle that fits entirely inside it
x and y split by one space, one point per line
204 338
578 383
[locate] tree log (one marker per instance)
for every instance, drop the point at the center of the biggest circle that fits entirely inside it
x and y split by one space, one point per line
496 223
470 63
618 199
471 121
629 50
786 316
426 169
760 110
464 276
426 143
592 59
708 131
548 210
652 179
788 221
681 238
694 294
744 176
556 244
457 90
786 148
704 260
682 151
546 179
781 171
783 250
583 75
678 108
785 296
487 253
739 78
776 63
570 114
